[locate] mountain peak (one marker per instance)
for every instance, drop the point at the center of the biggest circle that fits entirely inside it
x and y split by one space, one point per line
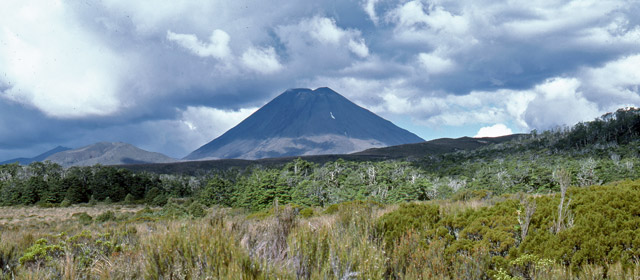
302 121
107 153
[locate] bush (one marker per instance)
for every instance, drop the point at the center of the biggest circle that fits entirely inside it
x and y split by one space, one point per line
307 212
417 217
83 218
196 210
159 200
467 194
106 216
41 252
65 203
129 199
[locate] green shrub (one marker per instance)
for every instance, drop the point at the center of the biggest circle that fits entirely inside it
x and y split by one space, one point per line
65 203
83 218
160 200
349 205
468 194
174 210
307 212
106 216
196 210
408 217
129 199
41 252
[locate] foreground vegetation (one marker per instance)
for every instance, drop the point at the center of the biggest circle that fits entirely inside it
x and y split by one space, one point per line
505 211
507 237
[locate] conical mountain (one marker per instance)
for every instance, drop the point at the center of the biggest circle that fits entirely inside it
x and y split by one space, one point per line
305 122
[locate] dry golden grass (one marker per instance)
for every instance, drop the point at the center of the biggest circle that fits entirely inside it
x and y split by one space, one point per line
21 215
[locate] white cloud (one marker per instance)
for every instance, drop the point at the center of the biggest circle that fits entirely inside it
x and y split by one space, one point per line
325 30
433 25
51 63
614 85
323 35
435 64
493 131
369 6
359 48
195 127
559 102
264 60
217 47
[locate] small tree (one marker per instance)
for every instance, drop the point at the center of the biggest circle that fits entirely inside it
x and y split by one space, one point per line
128 199
563 178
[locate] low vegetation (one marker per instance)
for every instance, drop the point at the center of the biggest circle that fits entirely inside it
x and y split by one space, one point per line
557 205
495 238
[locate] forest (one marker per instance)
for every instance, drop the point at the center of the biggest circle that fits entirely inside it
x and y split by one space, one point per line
557 204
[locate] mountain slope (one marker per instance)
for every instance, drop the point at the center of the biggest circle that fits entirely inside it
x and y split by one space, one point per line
40 157
436 146
107 153
305 122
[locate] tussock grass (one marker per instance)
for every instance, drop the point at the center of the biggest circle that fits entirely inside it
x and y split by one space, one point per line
348 241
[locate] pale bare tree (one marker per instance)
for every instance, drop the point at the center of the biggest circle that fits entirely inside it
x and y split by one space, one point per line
563 178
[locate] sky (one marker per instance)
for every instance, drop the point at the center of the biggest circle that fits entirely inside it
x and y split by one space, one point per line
170 76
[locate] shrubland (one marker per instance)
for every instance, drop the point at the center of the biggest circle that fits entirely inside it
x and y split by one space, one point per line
481 238
561 204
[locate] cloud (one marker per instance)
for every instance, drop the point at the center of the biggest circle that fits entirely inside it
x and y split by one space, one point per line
217 47
264 61
433 24
615 84
559 102
493 131
194 127
52 64
369 7
138 71
435 64
322 36
358 47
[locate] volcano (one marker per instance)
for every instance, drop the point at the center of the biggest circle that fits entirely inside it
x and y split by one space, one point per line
305 122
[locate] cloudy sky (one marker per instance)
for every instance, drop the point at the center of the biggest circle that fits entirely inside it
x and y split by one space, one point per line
169 76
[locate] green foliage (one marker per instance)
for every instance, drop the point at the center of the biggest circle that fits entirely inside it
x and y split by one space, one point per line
41 252
83 218
129 199
217 192
418 217
307 212
106 217
65 203
196 210
159 200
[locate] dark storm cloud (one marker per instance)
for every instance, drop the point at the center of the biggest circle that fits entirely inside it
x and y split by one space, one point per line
169 76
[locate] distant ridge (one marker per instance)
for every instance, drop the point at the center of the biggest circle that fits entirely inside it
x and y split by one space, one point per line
403 152
107 153
40 157
305 122
436 146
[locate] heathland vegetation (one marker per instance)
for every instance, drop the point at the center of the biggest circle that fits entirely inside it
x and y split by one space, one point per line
560 204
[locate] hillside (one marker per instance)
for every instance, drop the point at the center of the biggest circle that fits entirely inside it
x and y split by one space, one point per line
437 146
107 153
305 122
40 157
400 152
